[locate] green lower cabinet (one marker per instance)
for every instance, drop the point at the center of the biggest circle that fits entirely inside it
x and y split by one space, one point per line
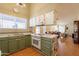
4 46
46 46
12 45
21 43
28 41
18 43
46 50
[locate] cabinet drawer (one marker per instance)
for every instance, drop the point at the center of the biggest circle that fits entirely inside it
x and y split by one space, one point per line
45 44
47 51
47 39
47 47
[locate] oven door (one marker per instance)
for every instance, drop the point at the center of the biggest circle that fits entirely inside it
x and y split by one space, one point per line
36 43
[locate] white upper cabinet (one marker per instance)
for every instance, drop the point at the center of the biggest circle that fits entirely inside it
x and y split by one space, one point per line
37 21
42 20
49 18
45 19
32 22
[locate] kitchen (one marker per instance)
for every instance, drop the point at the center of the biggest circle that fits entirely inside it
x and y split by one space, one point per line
29 29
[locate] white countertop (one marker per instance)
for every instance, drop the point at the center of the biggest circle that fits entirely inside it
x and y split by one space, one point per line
36 35
20 34
45 35
14 34
50 36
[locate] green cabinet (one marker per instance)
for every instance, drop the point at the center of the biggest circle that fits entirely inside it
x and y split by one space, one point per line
12 45
28 40
21 43
4 46
46 46
15 43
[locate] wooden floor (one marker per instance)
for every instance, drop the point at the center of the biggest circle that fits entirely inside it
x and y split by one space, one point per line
27 52
66 48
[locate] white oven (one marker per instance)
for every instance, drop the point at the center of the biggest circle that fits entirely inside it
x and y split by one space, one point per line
36 41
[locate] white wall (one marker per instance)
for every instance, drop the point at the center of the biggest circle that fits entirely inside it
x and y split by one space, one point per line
66 14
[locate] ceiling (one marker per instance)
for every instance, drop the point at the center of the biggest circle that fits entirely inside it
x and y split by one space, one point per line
63 8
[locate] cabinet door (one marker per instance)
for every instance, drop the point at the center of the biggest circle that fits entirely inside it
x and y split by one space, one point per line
46 50
46 46
4 46
28 40
32 22
38 20
12 45
49 16
21 43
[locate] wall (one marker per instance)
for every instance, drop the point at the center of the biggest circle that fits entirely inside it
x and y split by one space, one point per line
7 8
41 8
65 13
38 9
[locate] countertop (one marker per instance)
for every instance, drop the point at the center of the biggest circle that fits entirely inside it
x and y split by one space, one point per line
50 36
20 34
14 34
45 35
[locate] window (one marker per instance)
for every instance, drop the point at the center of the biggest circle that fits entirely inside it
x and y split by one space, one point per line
8 24
12 22
61 28
0 22
20 24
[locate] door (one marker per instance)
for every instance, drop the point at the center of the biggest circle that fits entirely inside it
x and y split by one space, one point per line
46 46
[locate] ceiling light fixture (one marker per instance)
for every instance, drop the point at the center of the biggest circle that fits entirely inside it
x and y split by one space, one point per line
20 4
15 10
